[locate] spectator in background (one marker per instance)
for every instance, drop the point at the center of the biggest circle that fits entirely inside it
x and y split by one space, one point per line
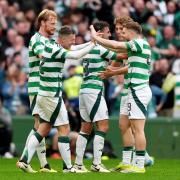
172 81
72 86
20 49
141 11
22 26
83 30
152 28
5 131
167 47
154 56
14 90
156 79
9 40
171 9
2 69
157 101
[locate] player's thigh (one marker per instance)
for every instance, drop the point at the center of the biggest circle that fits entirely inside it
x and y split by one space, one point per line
99 109
124 105
62 117
33 105
83 108
137 103
49 108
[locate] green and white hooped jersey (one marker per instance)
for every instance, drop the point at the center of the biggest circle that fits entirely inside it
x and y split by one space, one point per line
94 62
51 70
177 90
36 47
139 63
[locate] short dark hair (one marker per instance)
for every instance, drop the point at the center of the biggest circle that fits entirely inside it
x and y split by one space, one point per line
100 25
134 26
66 30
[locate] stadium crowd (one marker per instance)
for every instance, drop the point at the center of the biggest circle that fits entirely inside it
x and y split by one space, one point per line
159 20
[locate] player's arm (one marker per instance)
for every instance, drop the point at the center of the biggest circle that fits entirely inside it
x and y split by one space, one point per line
38 48
62 53
113 72
79 53
80 46
107 43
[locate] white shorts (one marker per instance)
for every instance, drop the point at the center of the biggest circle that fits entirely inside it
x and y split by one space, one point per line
33 104
123 105
52 110
137 103
93 107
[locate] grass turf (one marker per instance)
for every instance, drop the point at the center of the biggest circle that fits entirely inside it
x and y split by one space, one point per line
163 169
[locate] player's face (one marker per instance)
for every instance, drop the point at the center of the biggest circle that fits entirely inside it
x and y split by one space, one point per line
126 34
106 33
50 25
68 41
118 31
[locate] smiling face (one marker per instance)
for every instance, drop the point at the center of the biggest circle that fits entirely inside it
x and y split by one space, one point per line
106 33
118 31
127 34
67 41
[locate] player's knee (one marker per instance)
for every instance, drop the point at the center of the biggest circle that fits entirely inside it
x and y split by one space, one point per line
63 130
123 128
86 128
103 128
43 132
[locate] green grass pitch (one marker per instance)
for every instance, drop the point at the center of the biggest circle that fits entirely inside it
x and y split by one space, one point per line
162 170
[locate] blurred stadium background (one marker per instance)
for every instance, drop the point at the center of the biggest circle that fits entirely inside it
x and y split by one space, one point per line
161 26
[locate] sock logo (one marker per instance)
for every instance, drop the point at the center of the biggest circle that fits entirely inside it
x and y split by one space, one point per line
44 151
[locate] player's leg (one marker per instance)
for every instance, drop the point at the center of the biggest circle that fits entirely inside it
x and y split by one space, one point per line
43 129
140 142
61 121
99 115
81 143
85 131
34 109
98 145
32 145
137 110
41 149
64 146
127 140
127 136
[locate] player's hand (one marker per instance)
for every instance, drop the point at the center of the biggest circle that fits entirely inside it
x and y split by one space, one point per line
107 73
93 32
40 56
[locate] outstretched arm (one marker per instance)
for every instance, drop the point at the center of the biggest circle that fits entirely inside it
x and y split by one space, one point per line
107 43
80 53
80 46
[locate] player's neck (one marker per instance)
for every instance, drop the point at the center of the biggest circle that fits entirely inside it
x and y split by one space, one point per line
44 33
136 36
